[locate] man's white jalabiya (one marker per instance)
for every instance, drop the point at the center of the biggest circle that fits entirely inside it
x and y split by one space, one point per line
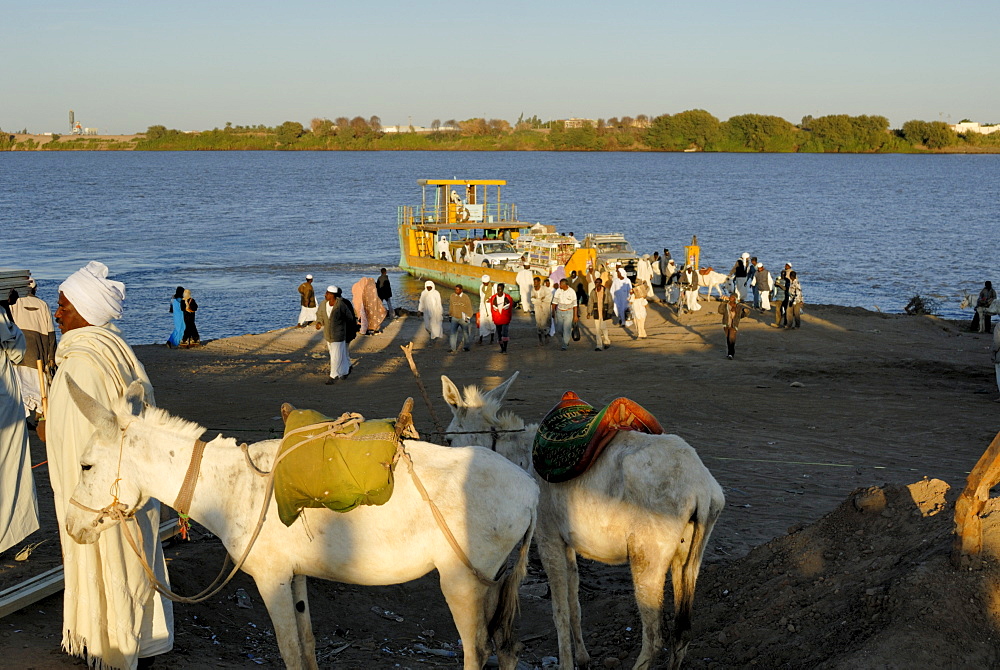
110 610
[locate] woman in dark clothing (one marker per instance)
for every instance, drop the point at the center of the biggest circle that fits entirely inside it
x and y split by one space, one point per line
189 307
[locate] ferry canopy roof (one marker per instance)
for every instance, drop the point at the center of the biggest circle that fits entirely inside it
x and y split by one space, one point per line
462 182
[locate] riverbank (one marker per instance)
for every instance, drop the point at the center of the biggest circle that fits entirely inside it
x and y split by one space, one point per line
799 420
31 142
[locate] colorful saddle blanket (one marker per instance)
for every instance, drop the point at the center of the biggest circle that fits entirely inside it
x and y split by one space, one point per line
340 470
573 434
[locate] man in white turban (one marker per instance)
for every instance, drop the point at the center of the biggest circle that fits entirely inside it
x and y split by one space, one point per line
18 503
111 614
486 326
431 309
339 323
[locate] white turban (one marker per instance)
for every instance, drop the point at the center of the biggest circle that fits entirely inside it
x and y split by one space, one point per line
428 284
332 289
96 298
486 278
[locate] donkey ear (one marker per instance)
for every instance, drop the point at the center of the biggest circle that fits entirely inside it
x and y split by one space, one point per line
135 396
101 417
500 392
451 394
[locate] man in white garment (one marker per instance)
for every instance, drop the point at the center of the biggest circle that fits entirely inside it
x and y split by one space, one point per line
18 503
110 610
443 250
33 316
541 305
486 326
644 271
689 283
431 309
524 281
339 323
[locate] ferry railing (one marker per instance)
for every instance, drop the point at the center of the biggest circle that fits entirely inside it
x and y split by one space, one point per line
492 213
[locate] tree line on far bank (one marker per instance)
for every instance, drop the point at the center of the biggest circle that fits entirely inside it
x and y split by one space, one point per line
692 130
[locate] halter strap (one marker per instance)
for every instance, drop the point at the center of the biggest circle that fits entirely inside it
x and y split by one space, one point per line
183 502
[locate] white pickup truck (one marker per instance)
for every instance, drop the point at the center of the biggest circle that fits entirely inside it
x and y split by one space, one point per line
494 254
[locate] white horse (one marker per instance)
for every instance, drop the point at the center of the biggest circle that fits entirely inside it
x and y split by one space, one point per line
648 501
715 280
488 504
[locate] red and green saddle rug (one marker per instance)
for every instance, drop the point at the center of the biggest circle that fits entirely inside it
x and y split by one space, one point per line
573 434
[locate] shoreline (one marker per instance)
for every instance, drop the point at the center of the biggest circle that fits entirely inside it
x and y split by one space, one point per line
127 143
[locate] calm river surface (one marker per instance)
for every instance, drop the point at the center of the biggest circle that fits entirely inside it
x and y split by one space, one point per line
240 229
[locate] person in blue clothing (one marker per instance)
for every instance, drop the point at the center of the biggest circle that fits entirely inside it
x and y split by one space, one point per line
177 310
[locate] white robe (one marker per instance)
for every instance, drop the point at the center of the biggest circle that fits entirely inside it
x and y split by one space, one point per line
430 305
486 326
644 271
443 249
109 606
18 503
621 288
524 281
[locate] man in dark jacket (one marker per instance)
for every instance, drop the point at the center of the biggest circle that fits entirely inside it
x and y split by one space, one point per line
336 318
384 290
599 308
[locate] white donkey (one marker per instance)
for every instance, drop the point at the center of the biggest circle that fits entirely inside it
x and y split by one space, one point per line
715 280
487 502
648 501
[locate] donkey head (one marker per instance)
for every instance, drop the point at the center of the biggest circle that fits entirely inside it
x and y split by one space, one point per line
104 465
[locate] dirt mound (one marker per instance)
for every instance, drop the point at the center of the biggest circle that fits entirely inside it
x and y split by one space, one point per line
868 585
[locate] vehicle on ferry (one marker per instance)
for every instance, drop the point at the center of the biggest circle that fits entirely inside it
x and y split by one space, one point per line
462 230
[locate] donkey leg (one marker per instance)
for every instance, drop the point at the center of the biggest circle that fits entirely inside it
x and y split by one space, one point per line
553 553
466 598
303 620
575 617
277 595
649 574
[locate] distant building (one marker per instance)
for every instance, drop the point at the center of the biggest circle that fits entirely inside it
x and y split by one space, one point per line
416 129
974 127
579 123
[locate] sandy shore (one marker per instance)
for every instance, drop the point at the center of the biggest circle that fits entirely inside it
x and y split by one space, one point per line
799 420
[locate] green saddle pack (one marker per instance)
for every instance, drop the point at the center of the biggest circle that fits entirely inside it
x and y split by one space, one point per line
338 467
573 434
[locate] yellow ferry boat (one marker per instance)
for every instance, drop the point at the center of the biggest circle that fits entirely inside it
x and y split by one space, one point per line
461 230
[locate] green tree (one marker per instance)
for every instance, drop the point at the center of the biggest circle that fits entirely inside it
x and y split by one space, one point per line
759 132
931 134
678 132
289 132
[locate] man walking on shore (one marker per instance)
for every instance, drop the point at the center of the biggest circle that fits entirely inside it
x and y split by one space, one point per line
33 316
523 280
384 290
541 305
460 311
565 311
307 298
339 325
502 310
600 311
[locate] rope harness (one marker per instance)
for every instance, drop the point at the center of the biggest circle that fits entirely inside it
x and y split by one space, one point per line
493 432
117 511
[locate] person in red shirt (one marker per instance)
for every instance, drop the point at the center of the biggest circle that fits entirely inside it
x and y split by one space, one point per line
502 309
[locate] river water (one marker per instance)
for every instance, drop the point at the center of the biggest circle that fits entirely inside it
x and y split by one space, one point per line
240 229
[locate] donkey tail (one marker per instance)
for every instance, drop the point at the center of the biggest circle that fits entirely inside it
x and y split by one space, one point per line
501 626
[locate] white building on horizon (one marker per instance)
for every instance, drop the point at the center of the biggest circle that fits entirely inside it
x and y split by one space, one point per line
975 127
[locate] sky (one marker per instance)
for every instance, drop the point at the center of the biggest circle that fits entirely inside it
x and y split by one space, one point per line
124 66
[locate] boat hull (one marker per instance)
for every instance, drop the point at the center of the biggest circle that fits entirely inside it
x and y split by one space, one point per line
448 274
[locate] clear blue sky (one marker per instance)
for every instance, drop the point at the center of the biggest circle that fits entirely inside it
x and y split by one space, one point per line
123 66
